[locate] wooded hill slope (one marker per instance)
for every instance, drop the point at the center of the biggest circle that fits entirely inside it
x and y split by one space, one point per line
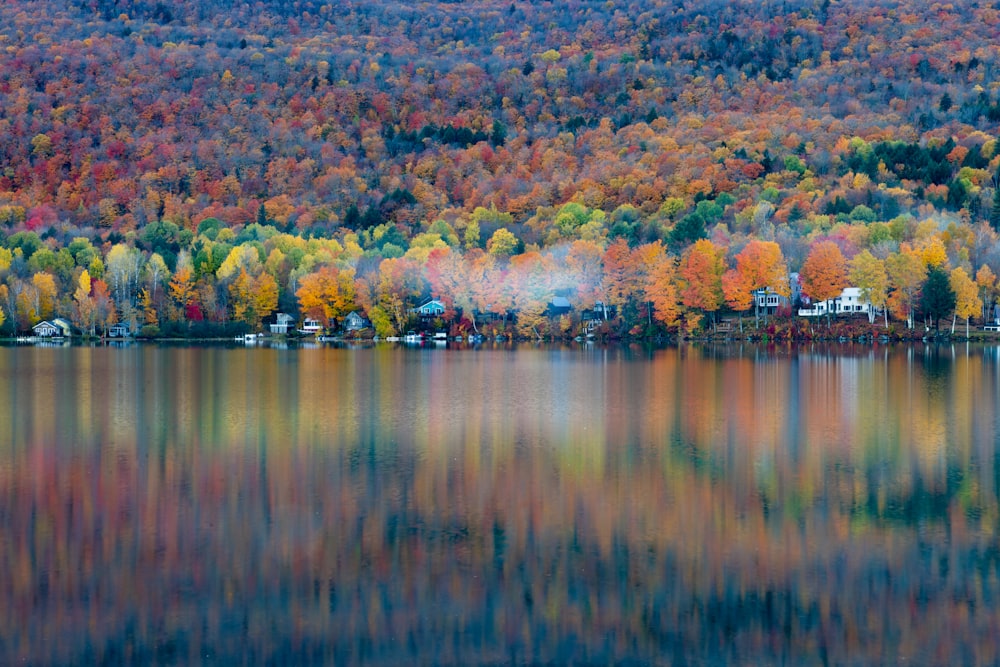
389 129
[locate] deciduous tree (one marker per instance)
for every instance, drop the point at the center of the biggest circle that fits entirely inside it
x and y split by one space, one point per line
824 273
661 290
907 273
868 274
967 301
700 277
759 266
45 285
327 295
83 305
987 283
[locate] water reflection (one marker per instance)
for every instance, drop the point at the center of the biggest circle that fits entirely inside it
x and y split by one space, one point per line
746 504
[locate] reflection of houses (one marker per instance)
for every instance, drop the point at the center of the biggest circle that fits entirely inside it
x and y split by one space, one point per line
355 321
120 330
429 310
46 329
849 302
283 325
311 326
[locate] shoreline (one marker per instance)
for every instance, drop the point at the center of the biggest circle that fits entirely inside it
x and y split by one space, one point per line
751 337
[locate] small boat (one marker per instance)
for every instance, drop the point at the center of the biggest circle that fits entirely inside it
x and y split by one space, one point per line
413 337
441 335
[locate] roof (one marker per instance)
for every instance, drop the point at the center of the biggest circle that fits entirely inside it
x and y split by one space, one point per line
560 302
433 304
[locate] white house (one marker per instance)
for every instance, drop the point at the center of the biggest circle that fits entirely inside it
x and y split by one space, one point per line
284 324
850 302
46 329
311 326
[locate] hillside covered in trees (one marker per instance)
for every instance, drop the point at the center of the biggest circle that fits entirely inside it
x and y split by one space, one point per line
186 166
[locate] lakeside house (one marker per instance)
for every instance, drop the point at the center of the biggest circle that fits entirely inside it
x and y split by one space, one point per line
283 325
355 321
850 302
429 310
46 329
559 305
768 302
119 330
311 326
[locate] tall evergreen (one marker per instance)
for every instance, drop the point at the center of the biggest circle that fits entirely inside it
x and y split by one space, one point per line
937 298
995 209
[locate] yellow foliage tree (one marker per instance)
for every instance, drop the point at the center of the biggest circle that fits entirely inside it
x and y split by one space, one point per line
149 316
182 287
83 304
327 294
967 301
45 283
907 272
868 274
987 283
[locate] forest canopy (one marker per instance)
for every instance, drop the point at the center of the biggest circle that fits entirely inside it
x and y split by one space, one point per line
187 155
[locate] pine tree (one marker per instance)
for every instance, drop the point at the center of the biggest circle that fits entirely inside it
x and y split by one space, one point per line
995 209
937 299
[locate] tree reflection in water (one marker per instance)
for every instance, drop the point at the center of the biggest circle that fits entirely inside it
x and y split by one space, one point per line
674 505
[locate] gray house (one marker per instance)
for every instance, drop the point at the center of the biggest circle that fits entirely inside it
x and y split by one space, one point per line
355 321
120 330
284 325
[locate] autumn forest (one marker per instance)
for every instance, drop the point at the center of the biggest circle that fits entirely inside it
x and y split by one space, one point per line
194 168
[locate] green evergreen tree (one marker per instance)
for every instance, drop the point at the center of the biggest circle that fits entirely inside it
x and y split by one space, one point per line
937 299
995 209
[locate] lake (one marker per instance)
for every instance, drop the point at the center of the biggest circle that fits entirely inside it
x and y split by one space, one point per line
692 505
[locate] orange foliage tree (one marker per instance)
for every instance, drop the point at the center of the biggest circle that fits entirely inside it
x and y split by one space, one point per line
700 275
327 295
824 273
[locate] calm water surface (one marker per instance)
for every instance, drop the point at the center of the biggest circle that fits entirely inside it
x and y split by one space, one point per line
540 505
